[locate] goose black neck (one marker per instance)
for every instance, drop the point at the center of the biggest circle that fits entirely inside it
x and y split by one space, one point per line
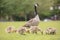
35 10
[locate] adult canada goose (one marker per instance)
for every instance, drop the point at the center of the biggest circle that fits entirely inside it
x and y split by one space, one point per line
34 21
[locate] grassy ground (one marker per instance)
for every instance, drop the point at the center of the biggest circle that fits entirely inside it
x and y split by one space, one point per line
39 36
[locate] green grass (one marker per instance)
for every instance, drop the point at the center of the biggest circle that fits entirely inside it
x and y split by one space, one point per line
39 36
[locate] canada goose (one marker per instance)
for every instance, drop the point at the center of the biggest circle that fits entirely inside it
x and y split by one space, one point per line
35 29
10 29
34 21
22 30
50 30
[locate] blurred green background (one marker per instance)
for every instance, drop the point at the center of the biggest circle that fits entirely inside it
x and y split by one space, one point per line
23 10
